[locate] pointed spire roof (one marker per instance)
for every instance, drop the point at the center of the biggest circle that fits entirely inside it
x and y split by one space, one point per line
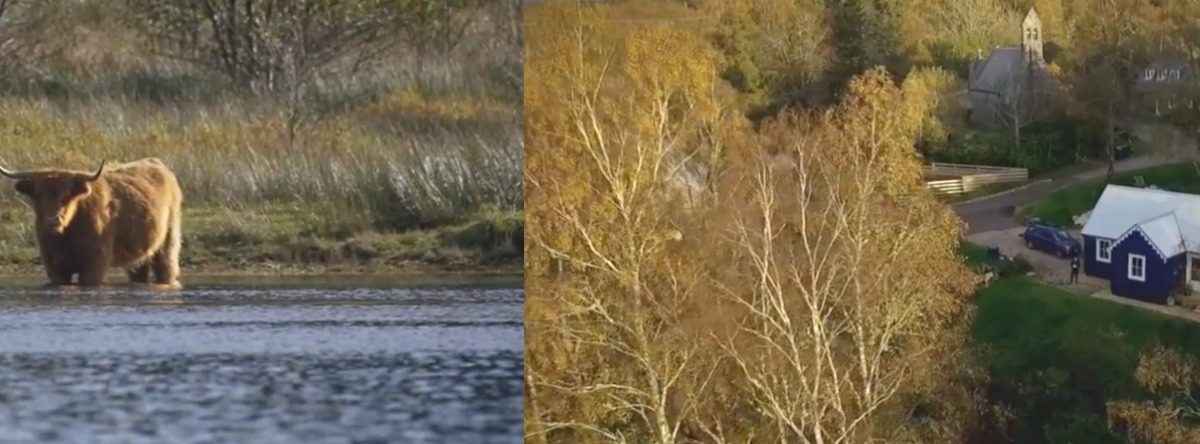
1032 16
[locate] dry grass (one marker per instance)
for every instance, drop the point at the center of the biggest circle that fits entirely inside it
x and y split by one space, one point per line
418 141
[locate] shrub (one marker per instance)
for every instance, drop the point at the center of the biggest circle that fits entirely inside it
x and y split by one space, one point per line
1045 145
278 44
1021 264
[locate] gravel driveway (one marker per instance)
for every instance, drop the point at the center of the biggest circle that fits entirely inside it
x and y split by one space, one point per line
1050 267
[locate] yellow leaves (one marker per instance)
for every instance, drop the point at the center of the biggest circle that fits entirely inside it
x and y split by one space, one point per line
1164 370
662 62
1055 70
877 127
614 109
934 96
1171 375
621 94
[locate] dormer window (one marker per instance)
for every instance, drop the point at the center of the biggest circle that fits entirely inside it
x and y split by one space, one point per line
1162 75
1148 74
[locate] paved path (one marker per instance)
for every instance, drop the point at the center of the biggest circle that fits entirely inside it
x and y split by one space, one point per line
1169 310
997 212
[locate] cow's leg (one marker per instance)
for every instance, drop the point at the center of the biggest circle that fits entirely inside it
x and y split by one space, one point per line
140 274
166 262
59 276
94 270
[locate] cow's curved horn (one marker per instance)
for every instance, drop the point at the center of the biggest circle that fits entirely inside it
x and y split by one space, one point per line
98 171
12 174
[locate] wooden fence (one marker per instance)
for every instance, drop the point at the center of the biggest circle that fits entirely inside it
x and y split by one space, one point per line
970 177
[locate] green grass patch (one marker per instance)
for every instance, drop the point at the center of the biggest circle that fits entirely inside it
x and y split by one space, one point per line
292 238
974 254
1061 207
1055 358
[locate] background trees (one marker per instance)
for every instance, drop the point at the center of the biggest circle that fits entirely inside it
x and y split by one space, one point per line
725 248
614 109
1110 49
786 296
273 45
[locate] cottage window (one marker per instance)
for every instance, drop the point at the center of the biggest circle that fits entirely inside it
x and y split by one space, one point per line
1175 74
1103 250
1194 266
1149 74
1137 267
1162 75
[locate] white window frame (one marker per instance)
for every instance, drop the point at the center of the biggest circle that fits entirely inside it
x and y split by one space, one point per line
1107 257
1192 261
1149 74
1139 278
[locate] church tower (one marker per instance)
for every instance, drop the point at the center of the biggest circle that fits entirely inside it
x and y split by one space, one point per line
1031 38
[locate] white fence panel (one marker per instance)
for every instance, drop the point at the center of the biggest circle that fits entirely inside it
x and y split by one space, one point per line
971 177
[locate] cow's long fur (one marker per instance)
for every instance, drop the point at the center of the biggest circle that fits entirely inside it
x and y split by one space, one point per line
129 216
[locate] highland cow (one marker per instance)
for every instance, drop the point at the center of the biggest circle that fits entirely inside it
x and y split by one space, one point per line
125 216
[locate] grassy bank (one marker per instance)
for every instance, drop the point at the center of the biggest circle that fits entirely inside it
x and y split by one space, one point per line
413 160
1055 358
1060 207
292 240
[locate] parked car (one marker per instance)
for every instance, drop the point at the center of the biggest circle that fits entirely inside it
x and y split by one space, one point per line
1050 239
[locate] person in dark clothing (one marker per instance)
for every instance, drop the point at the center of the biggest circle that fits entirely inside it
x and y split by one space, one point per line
1075 269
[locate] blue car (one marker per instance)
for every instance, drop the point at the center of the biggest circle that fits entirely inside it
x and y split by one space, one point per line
1050 239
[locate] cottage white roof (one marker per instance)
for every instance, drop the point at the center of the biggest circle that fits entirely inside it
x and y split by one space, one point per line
1170 220
1163 233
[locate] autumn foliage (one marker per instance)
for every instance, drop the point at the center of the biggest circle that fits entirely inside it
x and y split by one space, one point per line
690 279
1171 418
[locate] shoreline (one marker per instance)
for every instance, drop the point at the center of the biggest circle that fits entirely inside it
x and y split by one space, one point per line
34 271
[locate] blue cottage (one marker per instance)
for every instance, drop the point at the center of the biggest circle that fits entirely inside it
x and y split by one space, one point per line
1144 241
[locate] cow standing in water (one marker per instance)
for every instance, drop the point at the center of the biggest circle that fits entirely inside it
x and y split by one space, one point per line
126 215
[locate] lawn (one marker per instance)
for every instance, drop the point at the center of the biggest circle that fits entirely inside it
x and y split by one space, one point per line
1055 358
974 254
1060 208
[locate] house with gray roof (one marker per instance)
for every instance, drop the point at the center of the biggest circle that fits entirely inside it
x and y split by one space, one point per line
1012 85
1163 84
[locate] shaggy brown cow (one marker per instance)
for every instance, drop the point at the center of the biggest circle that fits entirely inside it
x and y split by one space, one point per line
125 216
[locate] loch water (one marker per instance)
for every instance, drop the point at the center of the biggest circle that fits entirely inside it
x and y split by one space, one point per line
346 359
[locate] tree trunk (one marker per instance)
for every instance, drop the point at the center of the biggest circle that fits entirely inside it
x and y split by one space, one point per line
1110 143
1017 128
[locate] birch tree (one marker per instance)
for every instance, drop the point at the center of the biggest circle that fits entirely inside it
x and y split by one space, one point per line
1171 419
812 293
615 110
848 309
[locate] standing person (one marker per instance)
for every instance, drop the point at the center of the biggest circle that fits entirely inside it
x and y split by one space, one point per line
1075 269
